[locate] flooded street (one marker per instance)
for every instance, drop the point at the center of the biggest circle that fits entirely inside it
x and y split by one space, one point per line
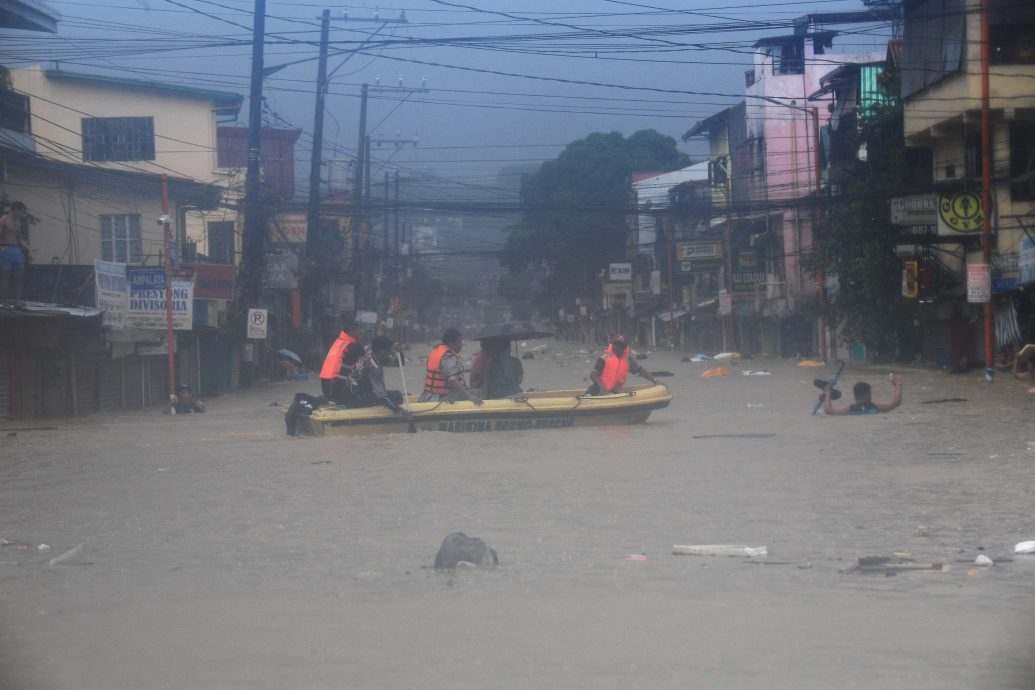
222 553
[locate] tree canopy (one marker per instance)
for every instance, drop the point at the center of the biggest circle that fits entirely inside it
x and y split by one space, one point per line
574 208
856 242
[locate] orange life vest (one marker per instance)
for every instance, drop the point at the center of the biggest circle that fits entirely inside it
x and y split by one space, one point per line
434 381
616 370
332 364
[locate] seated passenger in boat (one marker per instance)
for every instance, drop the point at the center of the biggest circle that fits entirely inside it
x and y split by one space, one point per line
366 381
613 367
343 384
445 376
497 372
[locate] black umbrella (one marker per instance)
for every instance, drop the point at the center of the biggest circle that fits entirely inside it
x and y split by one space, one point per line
513 330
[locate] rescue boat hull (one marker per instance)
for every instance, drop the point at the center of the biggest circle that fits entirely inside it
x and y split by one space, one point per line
533 411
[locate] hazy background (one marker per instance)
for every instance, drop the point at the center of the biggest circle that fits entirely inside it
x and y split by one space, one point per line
507 80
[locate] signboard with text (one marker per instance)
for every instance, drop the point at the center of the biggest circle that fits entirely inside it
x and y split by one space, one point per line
1026 261
214 281
112 293
289 227
960 213
979 283
147 300
620 272
748 268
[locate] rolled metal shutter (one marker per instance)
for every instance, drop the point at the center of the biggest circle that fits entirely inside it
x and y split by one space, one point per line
85 386
5 384
158 368
133 381
109 385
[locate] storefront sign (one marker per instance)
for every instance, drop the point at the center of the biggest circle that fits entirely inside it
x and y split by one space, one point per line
911 279
699 251
258 324
1004 272
289 227
748 268
621 272
979 283
959 213
1026 261
919 209
112 293
214 281
281 271
147 300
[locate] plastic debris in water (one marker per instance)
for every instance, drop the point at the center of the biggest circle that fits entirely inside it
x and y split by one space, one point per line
636 557
43 548
71 557
1025 547
982 559
719 550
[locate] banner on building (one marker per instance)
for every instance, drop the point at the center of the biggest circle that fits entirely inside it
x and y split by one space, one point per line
748 269
1026 261
289 227
147 300
979 283
281 271
214 281
112 293
620 272
1004 272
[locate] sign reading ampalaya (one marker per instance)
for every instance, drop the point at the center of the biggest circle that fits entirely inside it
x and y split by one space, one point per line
112 293
147 300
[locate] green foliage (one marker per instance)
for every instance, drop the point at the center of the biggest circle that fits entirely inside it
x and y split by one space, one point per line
856 242
574 208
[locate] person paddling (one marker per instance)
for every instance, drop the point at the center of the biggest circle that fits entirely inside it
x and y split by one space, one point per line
613 368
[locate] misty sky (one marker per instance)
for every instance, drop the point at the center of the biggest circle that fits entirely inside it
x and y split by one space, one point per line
471 122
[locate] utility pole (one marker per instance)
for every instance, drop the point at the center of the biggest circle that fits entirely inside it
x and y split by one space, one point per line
253 240
817 216
170 258
986 185
395 252
357 195
316 163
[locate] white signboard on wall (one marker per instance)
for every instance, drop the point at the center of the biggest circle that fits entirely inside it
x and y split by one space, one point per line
147 300
621 272
979 283
112 293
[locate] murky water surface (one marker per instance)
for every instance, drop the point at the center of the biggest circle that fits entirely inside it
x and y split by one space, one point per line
224 554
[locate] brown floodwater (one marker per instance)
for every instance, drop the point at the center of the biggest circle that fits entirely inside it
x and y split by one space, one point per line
221 553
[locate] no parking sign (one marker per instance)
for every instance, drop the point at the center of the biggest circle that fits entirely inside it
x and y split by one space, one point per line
257 319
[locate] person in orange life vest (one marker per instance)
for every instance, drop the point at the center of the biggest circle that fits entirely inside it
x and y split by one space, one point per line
613 367
444 379
333 362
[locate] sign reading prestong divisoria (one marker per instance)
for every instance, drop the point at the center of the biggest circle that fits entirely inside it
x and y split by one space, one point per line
147 300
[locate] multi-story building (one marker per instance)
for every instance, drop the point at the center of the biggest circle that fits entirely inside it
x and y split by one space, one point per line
941 91
768 175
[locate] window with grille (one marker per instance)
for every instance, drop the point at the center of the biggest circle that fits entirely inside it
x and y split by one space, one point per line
14 112
118 138
120 239
221 242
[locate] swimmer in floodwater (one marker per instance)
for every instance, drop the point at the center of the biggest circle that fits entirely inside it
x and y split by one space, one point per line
864 403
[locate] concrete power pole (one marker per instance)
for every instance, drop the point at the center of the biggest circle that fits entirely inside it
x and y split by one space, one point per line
253 241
